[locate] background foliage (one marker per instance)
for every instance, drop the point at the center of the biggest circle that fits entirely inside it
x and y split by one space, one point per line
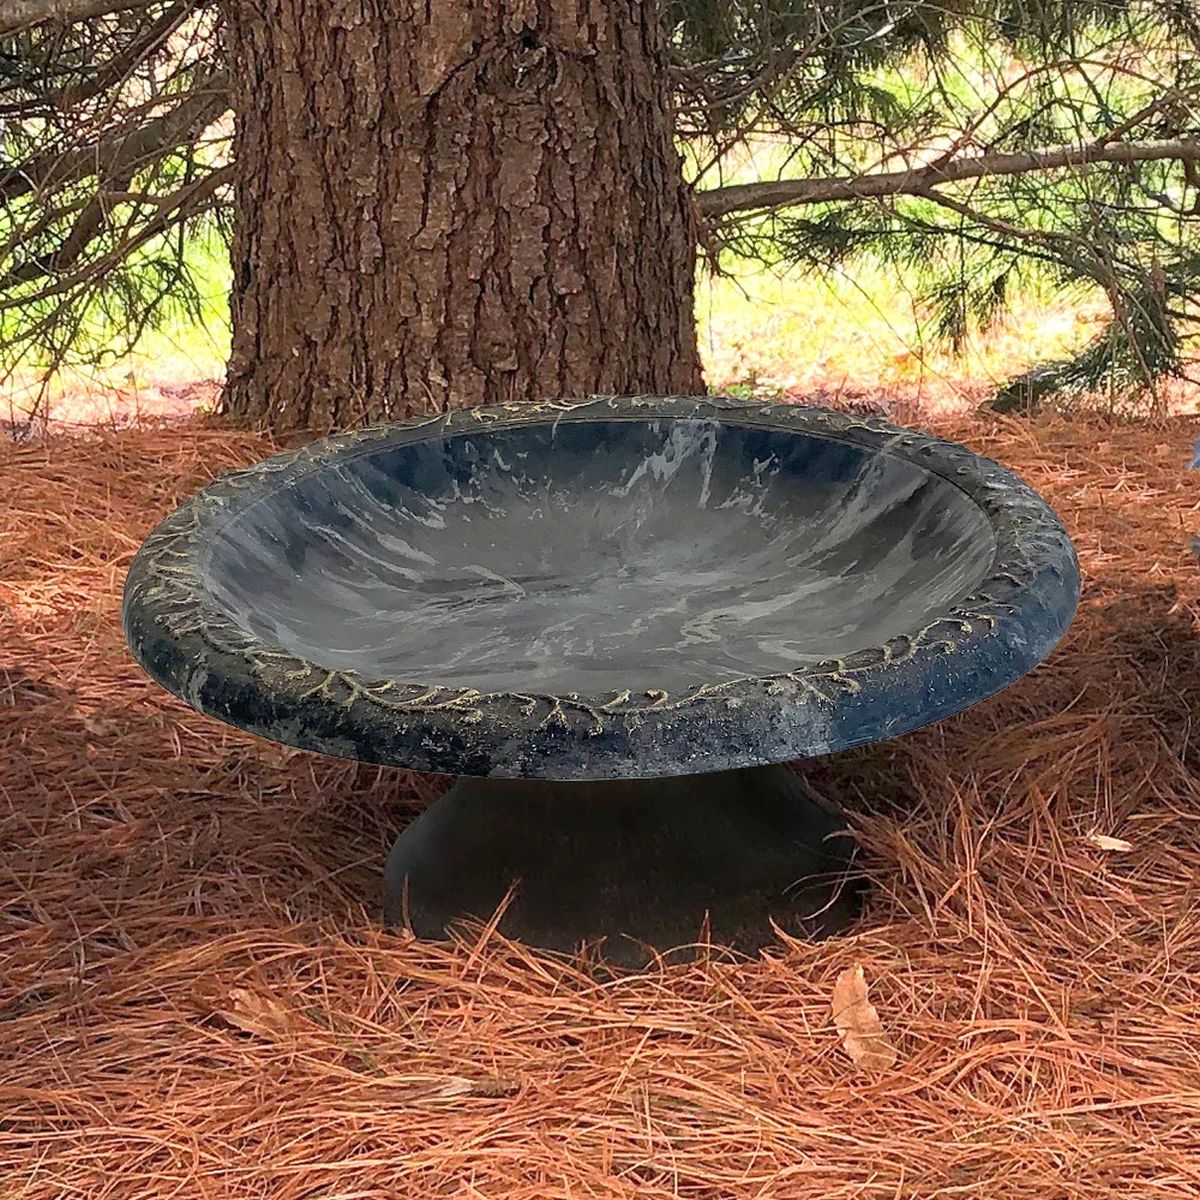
974 147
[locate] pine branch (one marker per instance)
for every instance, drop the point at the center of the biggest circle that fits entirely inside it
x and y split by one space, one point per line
785 193
115 153
119 67
187 201
20 14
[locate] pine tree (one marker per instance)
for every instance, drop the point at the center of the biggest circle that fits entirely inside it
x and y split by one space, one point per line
968 143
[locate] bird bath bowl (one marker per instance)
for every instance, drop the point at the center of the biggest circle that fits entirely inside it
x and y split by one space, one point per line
613 621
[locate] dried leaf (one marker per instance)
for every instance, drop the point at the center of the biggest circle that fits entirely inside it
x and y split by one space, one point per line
254 1013
99 726
858 1023
1103 842
448 1087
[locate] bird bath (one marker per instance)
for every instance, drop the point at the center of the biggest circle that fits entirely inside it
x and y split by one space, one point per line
613 620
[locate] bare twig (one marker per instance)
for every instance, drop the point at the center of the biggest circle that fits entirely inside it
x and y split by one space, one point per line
784 193
20 14
187 200
111 154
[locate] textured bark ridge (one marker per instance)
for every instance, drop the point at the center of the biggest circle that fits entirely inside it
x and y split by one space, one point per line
452 203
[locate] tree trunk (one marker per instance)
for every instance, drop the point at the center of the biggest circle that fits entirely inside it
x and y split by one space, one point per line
451 203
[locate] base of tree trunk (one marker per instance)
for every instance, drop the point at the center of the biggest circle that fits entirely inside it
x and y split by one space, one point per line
641 866
450 205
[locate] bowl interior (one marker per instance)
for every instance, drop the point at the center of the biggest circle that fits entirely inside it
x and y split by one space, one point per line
597 556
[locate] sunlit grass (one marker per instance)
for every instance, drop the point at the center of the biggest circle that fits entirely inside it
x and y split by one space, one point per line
865 330
864 327
184 347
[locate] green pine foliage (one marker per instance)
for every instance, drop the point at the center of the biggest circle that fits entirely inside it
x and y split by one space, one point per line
113 162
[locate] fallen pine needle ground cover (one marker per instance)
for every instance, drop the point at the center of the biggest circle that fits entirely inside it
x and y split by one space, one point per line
196 999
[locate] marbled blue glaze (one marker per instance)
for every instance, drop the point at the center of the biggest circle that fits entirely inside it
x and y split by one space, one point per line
622 587
593 557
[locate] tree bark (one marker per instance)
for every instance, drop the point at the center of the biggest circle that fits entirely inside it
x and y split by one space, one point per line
454 202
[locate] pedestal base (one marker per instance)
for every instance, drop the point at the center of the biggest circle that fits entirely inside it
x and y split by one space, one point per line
643 865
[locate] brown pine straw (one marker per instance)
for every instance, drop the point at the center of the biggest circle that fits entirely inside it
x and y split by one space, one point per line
196 999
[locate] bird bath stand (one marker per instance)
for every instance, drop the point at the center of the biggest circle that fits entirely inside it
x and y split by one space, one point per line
613 620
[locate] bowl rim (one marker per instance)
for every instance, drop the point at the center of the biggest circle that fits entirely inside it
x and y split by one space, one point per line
967 652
